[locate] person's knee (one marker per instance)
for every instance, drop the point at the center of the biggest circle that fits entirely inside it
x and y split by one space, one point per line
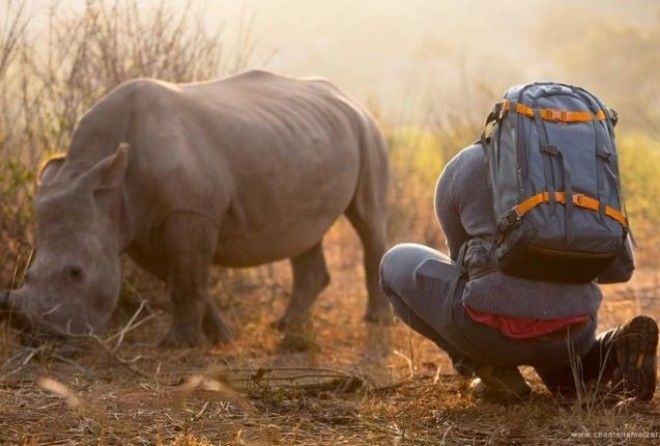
398 265
387 266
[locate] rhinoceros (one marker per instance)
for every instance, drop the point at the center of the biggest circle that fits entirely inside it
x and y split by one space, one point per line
235 172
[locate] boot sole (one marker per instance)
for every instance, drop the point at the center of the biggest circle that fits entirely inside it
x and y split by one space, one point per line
636 344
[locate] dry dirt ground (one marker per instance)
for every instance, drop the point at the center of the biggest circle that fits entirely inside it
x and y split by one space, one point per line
354 384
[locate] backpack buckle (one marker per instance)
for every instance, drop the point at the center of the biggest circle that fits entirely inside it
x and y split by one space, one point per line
556 115
508 220
581 200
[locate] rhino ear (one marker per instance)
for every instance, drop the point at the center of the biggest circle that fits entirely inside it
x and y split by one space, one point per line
109 173
50 168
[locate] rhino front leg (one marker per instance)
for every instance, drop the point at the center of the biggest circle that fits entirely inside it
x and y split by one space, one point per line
190 244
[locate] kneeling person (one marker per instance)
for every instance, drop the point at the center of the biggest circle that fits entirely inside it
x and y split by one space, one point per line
490 323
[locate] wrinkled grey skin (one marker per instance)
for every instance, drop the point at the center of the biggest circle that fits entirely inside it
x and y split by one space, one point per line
238 172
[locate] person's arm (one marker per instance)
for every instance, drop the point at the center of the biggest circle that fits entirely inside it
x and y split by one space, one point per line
621 268
447 213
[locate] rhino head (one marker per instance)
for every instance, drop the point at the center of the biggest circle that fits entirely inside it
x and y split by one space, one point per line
73 284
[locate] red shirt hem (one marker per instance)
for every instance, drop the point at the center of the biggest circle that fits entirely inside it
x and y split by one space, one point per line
523 328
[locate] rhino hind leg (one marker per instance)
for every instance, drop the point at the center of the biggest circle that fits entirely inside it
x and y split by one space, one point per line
310 277
190 244
367 215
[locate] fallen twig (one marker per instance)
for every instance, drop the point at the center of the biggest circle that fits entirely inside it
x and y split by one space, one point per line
131 325
112 351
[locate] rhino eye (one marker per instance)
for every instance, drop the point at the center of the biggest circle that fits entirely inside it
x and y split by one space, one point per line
74 273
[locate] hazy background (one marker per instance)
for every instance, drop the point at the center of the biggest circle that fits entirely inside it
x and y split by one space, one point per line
429 70
394 51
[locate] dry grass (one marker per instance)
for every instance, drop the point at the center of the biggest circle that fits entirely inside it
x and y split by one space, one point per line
359 385
341 382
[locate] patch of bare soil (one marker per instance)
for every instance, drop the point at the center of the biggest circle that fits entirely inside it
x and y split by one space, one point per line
353 384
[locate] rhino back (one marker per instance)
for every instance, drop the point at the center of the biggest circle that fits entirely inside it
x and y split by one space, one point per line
272 161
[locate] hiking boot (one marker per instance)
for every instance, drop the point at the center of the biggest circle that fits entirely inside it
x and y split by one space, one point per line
500 384
635 344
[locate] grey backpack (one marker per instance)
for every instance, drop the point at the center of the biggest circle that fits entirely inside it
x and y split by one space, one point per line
554 175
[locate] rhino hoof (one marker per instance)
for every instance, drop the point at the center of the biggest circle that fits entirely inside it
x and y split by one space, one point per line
291 324
381 316
300 341
215 326
218 333
182 337
279 324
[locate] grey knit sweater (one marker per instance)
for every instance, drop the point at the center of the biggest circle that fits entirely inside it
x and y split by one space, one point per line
463 205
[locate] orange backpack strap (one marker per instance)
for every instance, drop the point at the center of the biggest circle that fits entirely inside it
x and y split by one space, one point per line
549 114
579 200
